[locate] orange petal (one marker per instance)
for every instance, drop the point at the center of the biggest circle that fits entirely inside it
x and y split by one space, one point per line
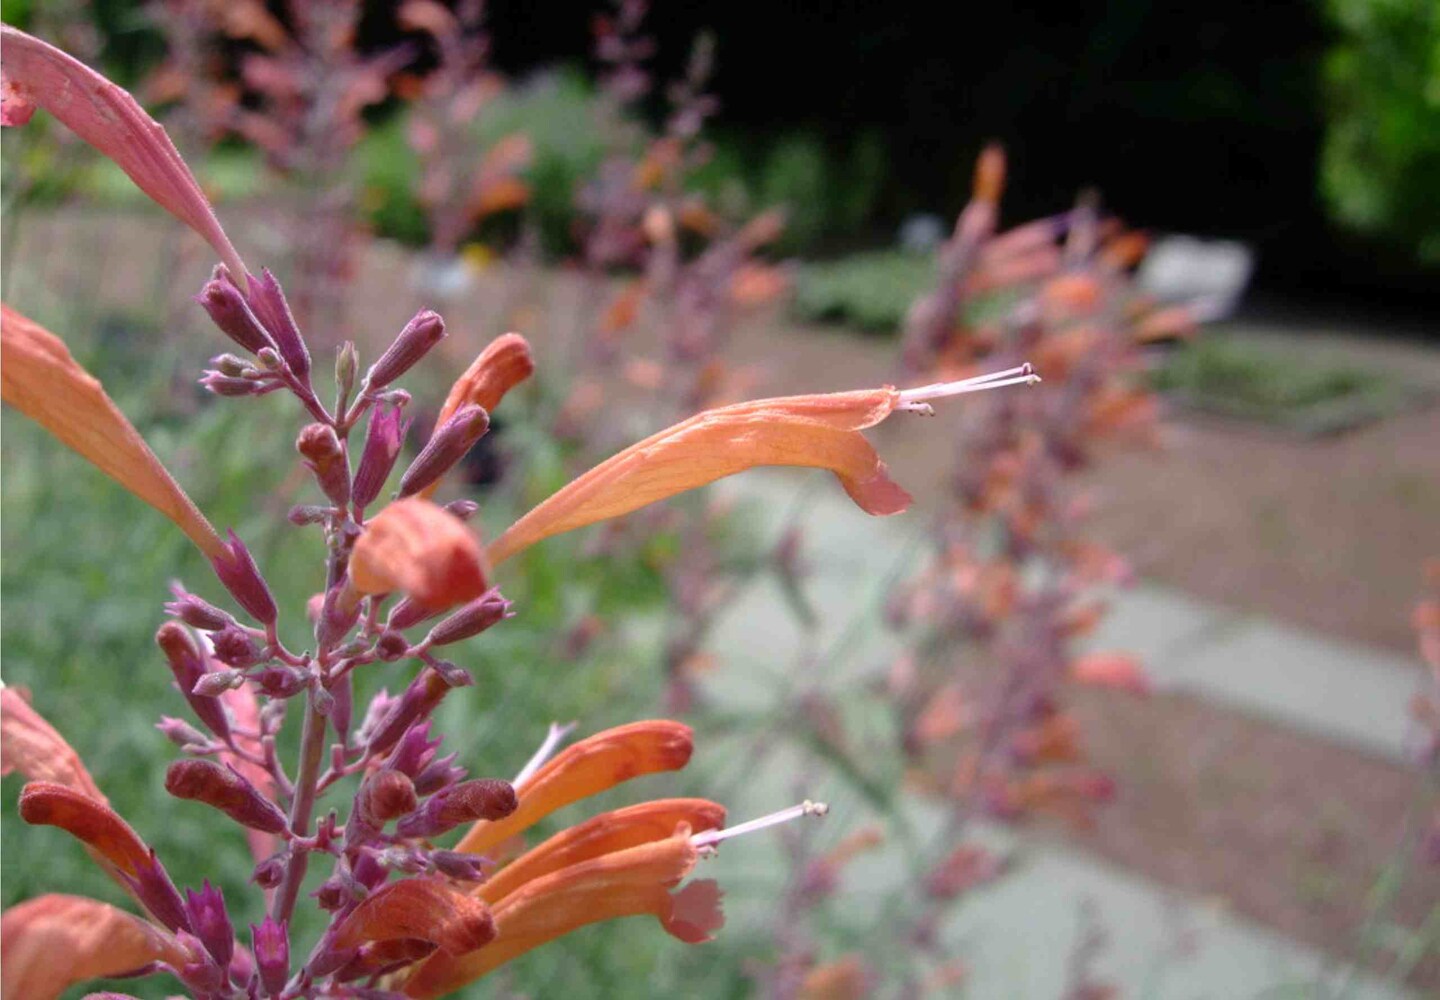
625 883
843 979
50 943
427 909
420 548
587 768
1114 670
604 834
108 118
816 431
44 803
31 745
40 379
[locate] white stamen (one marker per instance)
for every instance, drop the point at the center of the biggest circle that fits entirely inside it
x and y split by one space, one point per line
914 400
552 742
706 841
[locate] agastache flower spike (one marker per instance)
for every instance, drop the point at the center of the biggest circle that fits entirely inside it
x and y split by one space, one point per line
422 333
224 789
237 571
383 439
446 446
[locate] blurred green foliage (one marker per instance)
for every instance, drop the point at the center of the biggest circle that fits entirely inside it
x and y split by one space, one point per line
1380 166
868 291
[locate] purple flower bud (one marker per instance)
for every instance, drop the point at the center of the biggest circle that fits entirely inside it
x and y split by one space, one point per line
269 873
195 612
337 617
216 683
302 514
236 569
369 872
383 439
463 509
385 795
268 301
347 366
320 446
459 865
418 701
211 922
480 798
375 713
446 446
409 860
471 620
438 774
391 646
282 682
270 943
229 364
181 733
189 668
152 886
201 974
236 647
408 614
423 332
225 789
226 385
231 313
414 751
453 675
338 890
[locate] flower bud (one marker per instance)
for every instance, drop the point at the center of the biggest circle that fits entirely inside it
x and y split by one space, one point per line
459 865
446 446
152 886
338 890
230 312
337 617
383 440
225 789
270 943
463 509
407 614
439 773
303 513
181 733
189 668
210 922
200 973
320 446
228 386
237 571
414 751
453 675
347 366
409 860
269 305
195 612
480 798
471 619
281 681
418 701
217 682
229 364
385 795
235 646
423 332
391 646
269 873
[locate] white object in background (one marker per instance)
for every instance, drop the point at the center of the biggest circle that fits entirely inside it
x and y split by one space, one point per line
921 233
441 276
1209 275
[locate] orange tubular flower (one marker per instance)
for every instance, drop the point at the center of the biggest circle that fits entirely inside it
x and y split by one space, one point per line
418 547
88 820
50 943
815 431
417 909
586 768
629 882
40 379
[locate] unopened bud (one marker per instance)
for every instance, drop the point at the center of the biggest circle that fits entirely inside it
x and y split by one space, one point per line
236 569
439 773
459 865
383 440
472 619
414 751
269 873
152 885
347 366
385 795
338 890
407 614
463 509
410 860
325 457
234 646
452 674
225 789
282 682
225 385
189 668
181 733
423 332
195 612
302 514
267 300
217 682
230 312
446 446
391 646
270 944
210 922
229 364
481 798
418 701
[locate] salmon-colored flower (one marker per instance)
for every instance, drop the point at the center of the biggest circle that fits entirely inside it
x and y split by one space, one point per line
106 116
424 909
40 379
1113 670
89 820
421 549
583 769
815 431
52 942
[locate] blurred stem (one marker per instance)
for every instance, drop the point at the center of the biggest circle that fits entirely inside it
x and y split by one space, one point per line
312 751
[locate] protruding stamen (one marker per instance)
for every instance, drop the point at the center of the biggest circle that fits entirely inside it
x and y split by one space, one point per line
552 742
914 400
707 840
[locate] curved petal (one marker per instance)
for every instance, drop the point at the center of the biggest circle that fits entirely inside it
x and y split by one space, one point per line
106 116
50 943
625 883
40 379
604 834
420 548
816 431
425 909
92 822
31 745
587 768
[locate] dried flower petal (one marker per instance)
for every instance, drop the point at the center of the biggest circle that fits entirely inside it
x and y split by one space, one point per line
40 379
587 768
